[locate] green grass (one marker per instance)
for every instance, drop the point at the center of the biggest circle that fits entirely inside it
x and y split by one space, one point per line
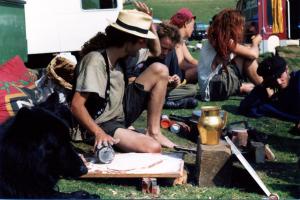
202 9
280 176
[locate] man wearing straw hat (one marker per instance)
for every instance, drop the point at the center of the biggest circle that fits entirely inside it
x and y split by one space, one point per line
123 103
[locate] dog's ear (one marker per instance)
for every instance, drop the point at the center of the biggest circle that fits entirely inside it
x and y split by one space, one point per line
20 124
23 117
51 102
53 99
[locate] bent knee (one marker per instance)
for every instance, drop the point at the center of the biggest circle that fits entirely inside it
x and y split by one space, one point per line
159 69
154 147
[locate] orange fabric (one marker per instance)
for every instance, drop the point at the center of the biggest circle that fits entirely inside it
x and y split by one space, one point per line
277 16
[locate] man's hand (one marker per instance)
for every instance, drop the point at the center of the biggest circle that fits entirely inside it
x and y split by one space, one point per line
174 81
102 139
140 6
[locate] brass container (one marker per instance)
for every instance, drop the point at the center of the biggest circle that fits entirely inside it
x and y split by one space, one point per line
210 124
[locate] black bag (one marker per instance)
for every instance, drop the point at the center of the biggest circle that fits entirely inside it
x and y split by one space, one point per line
225 83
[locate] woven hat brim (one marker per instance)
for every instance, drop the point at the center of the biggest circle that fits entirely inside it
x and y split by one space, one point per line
149 35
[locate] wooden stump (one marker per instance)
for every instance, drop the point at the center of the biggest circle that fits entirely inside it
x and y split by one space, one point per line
213 165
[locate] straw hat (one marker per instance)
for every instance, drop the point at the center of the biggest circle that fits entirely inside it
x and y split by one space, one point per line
134 22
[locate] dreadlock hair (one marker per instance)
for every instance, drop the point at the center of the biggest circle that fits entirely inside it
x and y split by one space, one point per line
166 29
111 38
227 25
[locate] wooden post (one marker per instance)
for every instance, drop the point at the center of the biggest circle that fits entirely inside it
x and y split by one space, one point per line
213 164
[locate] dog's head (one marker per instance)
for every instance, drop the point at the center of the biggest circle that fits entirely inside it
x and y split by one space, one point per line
61 110
35 151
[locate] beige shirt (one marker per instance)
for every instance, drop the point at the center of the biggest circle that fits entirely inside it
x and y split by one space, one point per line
92 77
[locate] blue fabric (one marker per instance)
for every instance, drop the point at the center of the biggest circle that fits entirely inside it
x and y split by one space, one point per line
172 62
285 104
135 69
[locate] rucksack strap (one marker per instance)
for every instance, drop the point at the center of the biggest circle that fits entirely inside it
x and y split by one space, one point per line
107 90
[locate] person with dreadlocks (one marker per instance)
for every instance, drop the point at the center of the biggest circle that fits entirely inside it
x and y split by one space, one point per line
224 61
100 81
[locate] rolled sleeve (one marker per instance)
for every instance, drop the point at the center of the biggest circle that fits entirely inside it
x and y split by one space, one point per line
92 75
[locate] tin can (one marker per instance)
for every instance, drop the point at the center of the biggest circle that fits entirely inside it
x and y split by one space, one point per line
175 128
105 154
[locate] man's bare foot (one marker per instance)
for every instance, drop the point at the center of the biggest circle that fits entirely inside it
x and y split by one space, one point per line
163 140
131 128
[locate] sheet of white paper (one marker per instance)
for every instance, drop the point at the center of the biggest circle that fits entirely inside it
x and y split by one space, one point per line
140 163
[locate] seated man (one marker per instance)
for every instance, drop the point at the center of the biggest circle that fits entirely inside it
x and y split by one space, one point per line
179 94
98 102
278 95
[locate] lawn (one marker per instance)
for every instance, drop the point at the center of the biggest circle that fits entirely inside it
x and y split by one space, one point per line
202 9
280 176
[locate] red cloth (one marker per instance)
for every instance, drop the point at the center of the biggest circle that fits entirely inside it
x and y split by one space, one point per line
16 88
181 17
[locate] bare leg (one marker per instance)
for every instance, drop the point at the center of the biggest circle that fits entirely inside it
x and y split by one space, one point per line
155 80
191 75
249 67
131 141
191 72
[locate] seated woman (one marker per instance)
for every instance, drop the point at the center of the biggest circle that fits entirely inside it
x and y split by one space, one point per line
224 61
278 95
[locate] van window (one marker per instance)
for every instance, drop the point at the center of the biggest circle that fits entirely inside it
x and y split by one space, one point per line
98 4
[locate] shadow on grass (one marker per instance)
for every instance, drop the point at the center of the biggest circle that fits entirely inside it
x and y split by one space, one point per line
231 109
284 144
243 180
287 172
293 189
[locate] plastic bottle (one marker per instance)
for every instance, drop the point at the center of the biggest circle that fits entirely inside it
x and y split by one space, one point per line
165 122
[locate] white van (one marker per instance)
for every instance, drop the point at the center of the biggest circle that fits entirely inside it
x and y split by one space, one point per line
64 25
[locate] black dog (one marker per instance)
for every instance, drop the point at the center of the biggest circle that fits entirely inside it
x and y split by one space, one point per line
35 152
